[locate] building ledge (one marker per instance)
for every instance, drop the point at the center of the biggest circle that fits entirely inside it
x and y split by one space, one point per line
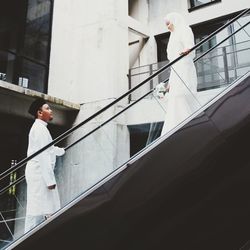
12 88
15 102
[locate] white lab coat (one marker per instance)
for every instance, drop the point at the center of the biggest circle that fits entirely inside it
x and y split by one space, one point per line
183 78
39 172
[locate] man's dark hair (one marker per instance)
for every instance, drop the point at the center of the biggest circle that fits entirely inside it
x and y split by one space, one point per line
35 106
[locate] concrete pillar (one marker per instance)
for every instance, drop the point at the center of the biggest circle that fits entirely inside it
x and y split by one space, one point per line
89 50
89 65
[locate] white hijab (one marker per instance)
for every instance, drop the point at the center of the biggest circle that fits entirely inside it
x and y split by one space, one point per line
181 37
177 20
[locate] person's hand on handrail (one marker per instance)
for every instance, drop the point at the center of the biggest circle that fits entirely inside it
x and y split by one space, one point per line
185 52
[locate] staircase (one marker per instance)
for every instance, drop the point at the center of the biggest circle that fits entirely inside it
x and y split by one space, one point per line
187 189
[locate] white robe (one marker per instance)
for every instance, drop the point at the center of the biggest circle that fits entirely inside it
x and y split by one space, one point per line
181 99
39 172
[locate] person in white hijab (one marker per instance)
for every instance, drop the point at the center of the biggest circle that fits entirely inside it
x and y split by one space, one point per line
182 83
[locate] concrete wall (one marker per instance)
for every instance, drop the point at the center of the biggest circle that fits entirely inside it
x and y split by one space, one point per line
89 50
158 9
144 52
94 157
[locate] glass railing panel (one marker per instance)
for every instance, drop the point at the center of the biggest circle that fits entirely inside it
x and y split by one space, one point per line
181 100
115 141
6 236
90 157
138 120
12 214
221 66
138 74
246 31
210 71
82 166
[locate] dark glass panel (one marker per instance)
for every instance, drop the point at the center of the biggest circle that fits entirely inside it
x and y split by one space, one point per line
25 30
32 75
37 30
11 19
7 62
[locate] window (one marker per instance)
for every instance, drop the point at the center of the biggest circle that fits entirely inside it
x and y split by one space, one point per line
196 4
225 63
25 33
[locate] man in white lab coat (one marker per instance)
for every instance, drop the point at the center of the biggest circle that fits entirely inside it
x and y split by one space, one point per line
42 193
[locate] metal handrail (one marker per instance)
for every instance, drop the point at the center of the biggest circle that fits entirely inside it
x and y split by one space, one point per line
68 132
162 62
20 179
133 103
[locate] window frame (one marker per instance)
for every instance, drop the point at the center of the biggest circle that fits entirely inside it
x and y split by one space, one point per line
193 7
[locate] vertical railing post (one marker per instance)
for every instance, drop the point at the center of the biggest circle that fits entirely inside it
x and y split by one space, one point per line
129 85
224 53
151 83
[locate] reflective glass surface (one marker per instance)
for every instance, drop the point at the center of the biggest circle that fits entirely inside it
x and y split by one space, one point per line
25 30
